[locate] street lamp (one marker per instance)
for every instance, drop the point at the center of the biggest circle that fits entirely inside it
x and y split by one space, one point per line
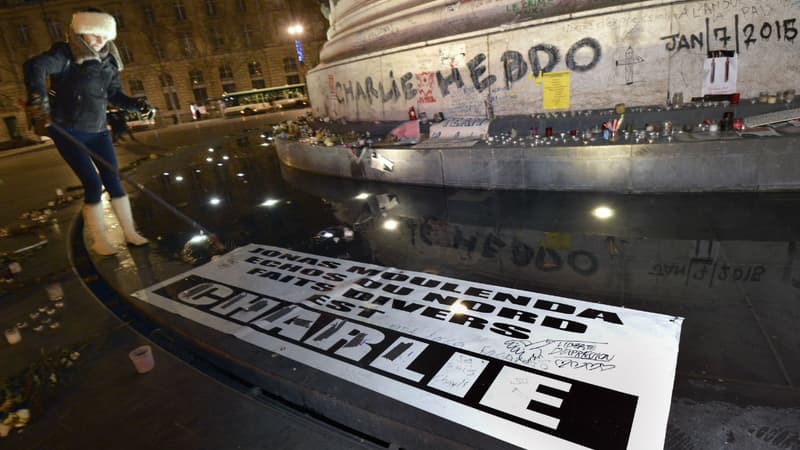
297 30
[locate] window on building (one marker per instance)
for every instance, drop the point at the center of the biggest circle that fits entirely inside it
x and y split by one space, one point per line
149 15
198 86
292 79
196 77
124 52
241 5
136 88
256 75
118 17
247 36
168 88
158 49
225 72
217 38
171 100
166 80
226 77
289 64
211 8
54 28
200 95
185 38
254 69
24 35
180 11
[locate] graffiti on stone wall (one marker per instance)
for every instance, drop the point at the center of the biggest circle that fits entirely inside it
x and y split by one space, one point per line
736 36
462 82
331 86
515 67
528 7
425 82
717 8
629 61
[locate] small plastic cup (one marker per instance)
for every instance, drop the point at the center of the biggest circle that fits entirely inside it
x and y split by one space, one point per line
142 358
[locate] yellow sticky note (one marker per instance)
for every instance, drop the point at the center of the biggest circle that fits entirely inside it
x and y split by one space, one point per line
555 93
557 241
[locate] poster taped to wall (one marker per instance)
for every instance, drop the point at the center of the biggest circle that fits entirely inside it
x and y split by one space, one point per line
719 73
530 369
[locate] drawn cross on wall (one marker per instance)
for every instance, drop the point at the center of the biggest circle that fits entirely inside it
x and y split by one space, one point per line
629 61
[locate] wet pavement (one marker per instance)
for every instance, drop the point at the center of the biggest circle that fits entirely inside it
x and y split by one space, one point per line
727 263
69 379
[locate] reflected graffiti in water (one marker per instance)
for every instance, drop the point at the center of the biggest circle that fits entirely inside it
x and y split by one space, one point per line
661 247
655 247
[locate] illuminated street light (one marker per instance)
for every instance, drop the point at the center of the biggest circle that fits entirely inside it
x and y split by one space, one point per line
603 212
270 202
362 196
390 224
296 31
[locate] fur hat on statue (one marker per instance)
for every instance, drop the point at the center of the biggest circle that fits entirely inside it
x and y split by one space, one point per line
94 22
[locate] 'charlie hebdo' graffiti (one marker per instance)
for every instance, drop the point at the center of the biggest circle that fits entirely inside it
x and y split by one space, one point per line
540 58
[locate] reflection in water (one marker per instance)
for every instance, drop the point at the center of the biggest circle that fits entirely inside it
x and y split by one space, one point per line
614 249
715 259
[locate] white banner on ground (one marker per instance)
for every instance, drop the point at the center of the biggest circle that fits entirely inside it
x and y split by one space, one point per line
452 133
460 128
535 370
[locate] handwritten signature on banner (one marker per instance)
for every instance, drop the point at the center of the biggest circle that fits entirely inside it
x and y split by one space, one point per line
561 353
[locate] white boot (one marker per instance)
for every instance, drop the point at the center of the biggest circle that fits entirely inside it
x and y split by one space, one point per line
122 208
93 220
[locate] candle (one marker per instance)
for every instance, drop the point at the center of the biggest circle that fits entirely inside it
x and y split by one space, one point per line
55 292
15 268
13 336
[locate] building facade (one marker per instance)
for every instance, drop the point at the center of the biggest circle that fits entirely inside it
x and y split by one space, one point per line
176 53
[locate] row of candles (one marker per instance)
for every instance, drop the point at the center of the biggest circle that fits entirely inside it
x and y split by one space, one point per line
55 294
